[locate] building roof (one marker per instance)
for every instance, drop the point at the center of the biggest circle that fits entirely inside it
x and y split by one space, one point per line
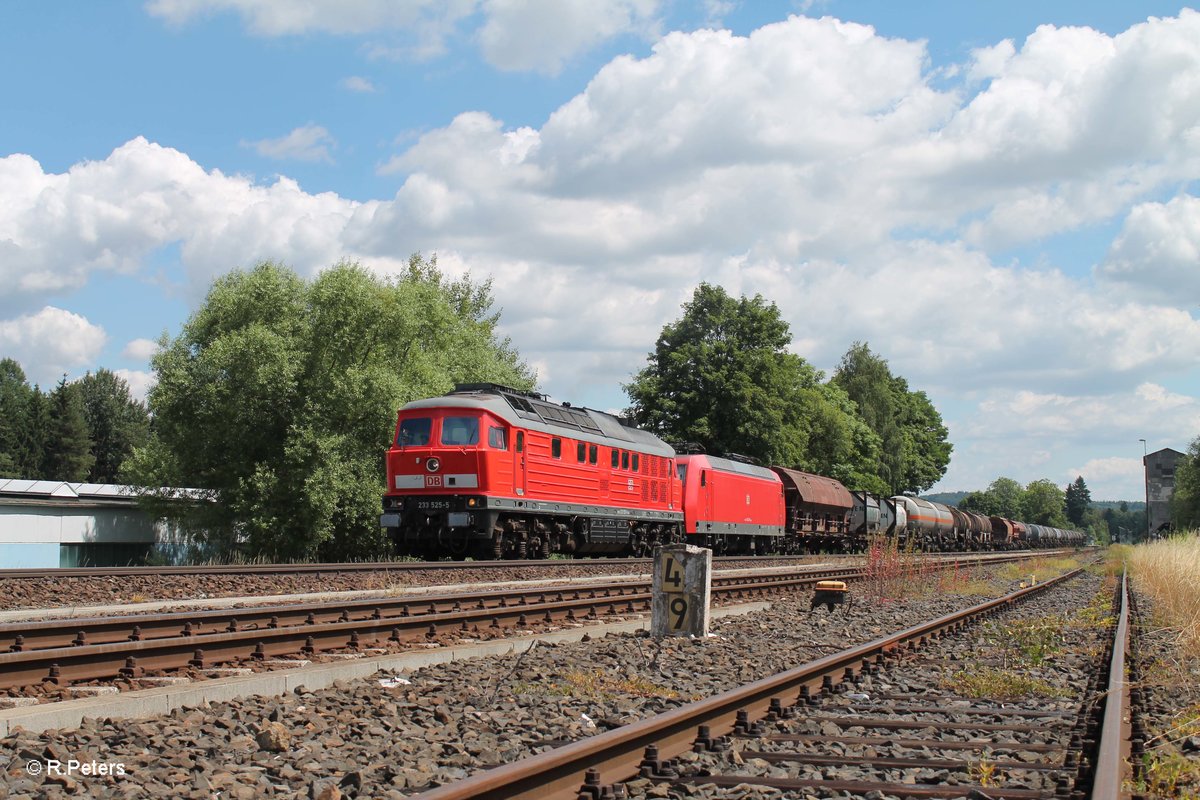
13 490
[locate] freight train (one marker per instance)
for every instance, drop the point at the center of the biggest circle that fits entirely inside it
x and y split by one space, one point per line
493 472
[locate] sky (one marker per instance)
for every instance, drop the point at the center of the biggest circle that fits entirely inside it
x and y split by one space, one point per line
1002 199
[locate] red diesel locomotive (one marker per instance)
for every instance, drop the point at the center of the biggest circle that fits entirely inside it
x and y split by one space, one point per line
493 472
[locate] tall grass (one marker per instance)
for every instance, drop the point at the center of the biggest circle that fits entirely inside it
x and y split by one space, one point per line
1169 572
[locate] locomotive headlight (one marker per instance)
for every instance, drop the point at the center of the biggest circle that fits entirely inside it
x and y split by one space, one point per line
433 464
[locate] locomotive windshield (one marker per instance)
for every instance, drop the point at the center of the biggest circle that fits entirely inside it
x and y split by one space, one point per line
414 432
460 430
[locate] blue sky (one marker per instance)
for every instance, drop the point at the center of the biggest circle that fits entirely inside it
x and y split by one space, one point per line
1007 212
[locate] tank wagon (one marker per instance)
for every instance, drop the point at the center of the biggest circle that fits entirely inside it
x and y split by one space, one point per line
492 472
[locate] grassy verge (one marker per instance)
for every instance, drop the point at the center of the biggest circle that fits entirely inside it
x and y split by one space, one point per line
1169 572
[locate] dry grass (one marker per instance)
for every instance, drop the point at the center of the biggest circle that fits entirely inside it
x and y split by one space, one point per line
1169 572
1040 569
895 571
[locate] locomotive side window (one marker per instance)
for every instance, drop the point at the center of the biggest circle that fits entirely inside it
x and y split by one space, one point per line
592 453
556 448
498 438
581 452
635 462
520 441
703 478
414 431
616 458
460 430
624 459
682 469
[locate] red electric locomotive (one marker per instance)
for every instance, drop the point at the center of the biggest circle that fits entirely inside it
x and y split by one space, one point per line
493 472
730 506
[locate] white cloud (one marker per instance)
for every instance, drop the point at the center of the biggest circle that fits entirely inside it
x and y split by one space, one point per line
1157 254
543 34
1148 411
56 229
512 34
140 383
50 343
307 143
1099 470
322 16
140 349
358 84
813 161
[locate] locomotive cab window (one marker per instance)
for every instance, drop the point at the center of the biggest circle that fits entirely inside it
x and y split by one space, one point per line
581 452
414 432
556 448
520 441
460 430
498 438
682 470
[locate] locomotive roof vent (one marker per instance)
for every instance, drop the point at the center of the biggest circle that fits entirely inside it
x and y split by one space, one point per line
496 388
742 458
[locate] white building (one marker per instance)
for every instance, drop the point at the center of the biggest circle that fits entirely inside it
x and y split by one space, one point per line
58 524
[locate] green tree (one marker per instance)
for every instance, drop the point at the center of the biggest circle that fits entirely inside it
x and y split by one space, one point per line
980 502
19 454
840 444
1078 501
1008 497
116 422
915 449
1043 503
1185 505
68 455
925 449
279 397
721 376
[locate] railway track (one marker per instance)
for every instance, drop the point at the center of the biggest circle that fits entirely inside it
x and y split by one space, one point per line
816 721
64 651
339 568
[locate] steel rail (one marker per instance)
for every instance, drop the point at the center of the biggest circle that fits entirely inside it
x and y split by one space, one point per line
18 636
619 754
132 658
335 568
1112 757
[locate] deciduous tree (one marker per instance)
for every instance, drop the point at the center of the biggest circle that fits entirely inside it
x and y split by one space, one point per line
1043 503
1185 505
915 448
279 397
721 376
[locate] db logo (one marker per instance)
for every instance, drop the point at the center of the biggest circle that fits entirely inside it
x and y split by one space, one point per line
432 481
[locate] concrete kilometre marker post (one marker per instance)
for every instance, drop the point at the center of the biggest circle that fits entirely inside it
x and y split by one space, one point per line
682 591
